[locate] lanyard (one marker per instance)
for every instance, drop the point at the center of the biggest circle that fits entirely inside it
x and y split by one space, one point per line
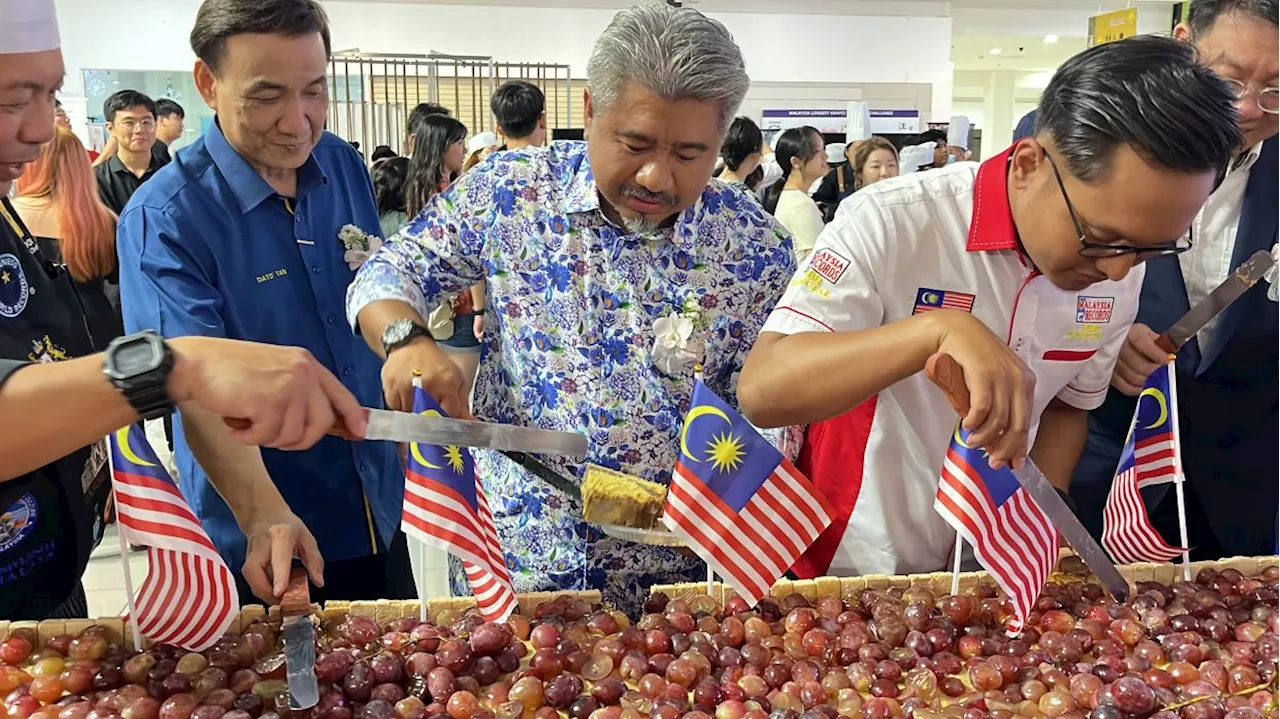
7 210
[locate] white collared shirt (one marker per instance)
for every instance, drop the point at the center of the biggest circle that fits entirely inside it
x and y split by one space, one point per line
899 247
1208 262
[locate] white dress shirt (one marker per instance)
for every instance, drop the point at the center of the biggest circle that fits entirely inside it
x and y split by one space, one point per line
1208 262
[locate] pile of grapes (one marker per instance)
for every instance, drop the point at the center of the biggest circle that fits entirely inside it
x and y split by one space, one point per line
1202 650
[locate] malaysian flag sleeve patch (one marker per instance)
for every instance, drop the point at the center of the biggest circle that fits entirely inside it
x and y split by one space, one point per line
189 597
737 502
928 299
1149 457
1011 537
445 506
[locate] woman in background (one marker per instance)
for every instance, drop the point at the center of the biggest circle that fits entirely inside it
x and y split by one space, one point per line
438 156
741 151
803 159
388 191
875 160
57 198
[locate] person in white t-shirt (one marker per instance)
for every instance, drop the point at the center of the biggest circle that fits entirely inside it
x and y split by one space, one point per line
803 160
1025 269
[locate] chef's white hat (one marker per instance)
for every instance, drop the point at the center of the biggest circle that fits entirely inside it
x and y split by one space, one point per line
835 153
958 132
28 26
859 127
913 156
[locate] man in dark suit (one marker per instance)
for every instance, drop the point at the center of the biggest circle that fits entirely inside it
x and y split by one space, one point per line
1226 375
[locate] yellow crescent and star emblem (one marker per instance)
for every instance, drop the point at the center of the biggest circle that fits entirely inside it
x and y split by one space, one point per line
453 455
122 441
725 451
930 298
1161 401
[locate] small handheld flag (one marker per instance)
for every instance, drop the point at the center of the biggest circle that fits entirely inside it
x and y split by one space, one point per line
1149 457
444 506
1011 537
189 597
737 502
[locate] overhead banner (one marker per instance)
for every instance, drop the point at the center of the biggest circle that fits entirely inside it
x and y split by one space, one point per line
825 120
895 122
1112 26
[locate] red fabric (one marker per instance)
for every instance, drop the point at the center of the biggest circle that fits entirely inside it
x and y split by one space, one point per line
834 459
93 156
463 304
992 225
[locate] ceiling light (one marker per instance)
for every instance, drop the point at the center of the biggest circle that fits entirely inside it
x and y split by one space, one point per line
1050 39
995 51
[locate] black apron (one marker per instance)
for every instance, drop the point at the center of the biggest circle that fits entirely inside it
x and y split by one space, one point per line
50 519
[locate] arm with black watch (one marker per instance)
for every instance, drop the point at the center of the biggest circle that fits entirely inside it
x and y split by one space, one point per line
139 365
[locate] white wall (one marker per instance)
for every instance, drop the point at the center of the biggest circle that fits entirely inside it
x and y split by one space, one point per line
838 48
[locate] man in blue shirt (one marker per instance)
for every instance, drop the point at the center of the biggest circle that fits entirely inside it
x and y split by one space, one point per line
239 237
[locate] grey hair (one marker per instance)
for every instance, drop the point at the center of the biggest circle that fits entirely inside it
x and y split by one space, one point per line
675 53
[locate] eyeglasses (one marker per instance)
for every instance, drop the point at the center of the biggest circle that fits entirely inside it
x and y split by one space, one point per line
1093 249
1268 97
145 125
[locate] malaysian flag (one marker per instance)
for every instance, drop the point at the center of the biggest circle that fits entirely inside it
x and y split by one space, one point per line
189 597
1149 457
445 507
737 502
929 299
1009 534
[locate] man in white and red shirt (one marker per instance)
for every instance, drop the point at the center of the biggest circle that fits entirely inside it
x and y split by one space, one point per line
1021 269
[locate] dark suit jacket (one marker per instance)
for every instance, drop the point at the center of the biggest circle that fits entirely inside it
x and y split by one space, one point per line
829 193
1227 393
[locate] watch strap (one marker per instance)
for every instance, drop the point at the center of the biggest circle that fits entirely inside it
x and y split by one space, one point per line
414 331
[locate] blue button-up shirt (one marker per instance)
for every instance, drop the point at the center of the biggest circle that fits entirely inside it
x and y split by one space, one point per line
208 248
573 305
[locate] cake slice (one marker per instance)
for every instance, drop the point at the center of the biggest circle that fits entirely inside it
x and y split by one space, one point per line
611 497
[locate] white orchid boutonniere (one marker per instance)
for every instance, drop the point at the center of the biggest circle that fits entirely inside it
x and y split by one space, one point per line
674 348
359 245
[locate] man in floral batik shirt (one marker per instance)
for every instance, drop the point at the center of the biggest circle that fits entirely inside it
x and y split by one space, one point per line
613 267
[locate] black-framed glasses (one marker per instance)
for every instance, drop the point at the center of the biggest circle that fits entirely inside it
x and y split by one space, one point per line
1090 248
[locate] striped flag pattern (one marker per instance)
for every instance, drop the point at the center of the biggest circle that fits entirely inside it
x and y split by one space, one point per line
1011 537
445 506
1149 457
737 502
929 299
189 597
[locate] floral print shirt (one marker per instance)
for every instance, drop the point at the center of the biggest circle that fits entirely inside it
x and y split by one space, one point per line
571 303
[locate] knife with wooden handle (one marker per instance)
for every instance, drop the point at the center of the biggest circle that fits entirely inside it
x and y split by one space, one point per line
385 424
949 376
299 642
1242 278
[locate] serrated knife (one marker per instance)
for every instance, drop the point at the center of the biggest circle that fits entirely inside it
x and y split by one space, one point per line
949 376
1245 276
393 426
299 643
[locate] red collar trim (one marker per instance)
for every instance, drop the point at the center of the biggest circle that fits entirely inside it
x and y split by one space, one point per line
992 225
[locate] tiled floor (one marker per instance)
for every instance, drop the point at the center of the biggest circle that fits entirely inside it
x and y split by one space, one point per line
104 580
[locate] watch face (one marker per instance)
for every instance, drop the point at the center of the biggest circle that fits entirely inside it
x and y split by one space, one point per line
136 357
397 332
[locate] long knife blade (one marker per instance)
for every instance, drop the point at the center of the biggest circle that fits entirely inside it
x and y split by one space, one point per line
408 427
1245 276
385 424
1069 526
949 376
299 643
546 473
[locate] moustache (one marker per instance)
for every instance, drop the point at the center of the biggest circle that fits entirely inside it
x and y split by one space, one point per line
640 193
